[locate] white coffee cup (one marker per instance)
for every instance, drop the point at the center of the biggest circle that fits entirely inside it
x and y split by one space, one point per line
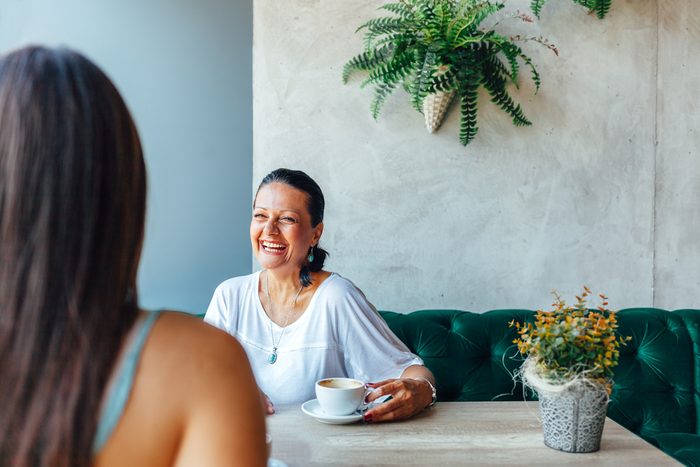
340 396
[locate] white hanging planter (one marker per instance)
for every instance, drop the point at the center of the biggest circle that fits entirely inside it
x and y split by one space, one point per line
435 107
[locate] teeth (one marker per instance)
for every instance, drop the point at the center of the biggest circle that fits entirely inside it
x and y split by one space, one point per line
272 245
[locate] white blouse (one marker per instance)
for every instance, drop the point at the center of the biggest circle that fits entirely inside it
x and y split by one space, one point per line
339 334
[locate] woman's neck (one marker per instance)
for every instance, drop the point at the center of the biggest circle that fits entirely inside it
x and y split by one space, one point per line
283 283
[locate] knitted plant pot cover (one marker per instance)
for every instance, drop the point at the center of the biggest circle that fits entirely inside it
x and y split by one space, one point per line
573 419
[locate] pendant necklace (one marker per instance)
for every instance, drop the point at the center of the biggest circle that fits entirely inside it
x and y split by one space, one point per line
272 358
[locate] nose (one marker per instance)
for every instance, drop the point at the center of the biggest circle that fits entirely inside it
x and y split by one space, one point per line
270 227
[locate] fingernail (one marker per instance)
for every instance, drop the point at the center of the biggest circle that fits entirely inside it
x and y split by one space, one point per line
367 417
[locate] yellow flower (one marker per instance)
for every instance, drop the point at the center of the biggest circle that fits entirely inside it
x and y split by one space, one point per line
569 340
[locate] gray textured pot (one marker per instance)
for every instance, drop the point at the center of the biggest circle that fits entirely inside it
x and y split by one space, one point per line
573 420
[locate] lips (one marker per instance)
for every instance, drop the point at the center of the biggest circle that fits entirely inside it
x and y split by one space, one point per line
272 247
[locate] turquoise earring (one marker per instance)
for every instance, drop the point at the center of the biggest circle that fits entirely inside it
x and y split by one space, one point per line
311 254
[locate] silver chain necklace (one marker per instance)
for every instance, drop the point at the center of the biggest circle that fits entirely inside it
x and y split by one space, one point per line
272 358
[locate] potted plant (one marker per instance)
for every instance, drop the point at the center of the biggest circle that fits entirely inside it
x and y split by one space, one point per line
570 355
437 49
599 7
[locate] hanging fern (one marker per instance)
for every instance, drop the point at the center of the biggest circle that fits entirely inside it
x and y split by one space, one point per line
599 7
431 46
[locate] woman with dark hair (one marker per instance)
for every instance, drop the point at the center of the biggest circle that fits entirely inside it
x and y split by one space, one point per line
86 377
299 323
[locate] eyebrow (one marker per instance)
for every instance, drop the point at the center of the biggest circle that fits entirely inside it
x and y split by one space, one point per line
282 210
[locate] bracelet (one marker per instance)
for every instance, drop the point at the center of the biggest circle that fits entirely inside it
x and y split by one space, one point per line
432 389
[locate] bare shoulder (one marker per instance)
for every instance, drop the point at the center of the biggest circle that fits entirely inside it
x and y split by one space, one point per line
181 330
189 381
195 356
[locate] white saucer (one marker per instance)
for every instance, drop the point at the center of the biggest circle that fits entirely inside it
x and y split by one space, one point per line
275 463
312 409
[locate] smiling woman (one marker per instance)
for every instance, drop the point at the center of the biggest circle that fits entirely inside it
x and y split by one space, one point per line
299 323
283 226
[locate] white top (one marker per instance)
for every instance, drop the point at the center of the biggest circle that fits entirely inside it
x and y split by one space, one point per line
339 334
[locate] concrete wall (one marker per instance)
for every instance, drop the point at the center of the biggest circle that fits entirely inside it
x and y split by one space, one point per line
602 190
184 69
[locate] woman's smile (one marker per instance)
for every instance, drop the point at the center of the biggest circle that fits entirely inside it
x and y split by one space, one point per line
272 247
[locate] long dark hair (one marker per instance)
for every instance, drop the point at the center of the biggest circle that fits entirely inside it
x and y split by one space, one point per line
315 206
72 206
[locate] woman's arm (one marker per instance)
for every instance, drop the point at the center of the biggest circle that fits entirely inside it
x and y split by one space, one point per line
226 423
410 394
372 351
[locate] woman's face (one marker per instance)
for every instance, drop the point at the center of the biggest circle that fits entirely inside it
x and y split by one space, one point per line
280 231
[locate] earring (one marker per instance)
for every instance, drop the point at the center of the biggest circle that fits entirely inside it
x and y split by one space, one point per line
311 254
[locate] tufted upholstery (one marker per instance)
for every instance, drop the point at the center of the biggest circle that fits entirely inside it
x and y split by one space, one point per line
657 382
472 355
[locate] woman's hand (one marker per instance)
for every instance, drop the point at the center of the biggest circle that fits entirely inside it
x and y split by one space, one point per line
408 397
268 407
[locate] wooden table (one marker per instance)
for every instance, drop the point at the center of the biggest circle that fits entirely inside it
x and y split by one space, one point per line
450 433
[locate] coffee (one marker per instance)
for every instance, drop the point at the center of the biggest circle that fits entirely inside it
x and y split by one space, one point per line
340 383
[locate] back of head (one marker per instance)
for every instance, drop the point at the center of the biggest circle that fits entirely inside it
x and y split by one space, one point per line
72 206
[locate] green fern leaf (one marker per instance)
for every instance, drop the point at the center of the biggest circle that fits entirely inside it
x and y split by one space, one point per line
599 7
512 52
443 15
484 10
424 11
463 29
468 109
495 84
400 66
533 72
380 26
456 27
536 7
383 23
366 61
402 10
381 92
602 7
421 84
499 67
444 82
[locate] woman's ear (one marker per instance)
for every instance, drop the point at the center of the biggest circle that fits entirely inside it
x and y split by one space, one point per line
318 231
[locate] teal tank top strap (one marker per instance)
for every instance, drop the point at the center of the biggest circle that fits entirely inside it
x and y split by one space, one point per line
122 382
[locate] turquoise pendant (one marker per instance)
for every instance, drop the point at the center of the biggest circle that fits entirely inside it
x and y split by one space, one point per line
273 357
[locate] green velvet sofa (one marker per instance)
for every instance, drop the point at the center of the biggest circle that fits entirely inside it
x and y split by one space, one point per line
657 382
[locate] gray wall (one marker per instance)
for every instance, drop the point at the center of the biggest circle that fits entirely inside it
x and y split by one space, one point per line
602 190
184 68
